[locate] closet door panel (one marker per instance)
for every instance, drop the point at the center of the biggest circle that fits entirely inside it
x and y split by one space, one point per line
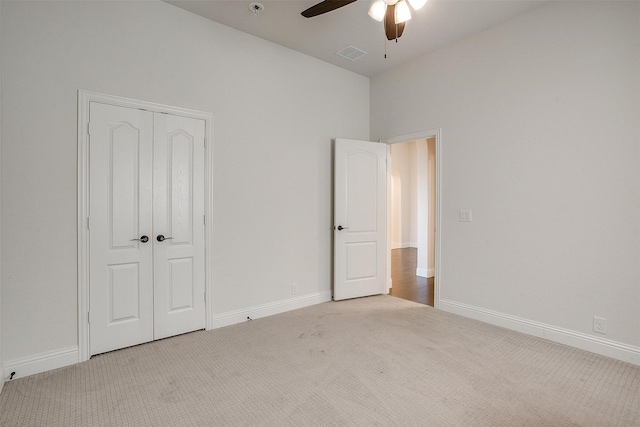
179 225
121 265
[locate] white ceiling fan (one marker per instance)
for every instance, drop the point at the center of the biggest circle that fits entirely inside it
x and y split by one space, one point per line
394 13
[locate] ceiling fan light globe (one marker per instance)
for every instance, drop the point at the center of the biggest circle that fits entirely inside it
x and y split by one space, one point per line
390 2
377 10
417 4
403 14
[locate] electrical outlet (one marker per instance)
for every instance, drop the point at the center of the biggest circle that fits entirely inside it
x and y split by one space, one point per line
465 215
599 325
294 289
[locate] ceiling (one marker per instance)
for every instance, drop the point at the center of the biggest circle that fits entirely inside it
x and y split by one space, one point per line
438 23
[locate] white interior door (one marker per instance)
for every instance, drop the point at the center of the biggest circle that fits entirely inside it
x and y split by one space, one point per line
360 225
121 249
178 224
147 269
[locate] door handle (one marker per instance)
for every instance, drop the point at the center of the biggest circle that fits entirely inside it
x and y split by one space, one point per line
143 239
161 238
340 228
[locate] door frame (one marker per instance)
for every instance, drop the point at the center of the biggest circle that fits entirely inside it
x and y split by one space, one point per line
437 134
84 100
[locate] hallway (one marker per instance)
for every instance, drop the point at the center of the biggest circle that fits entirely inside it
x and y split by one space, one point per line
406 284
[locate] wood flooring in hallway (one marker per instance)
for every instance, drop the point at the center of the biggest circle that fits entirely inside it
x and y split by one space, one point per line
406 284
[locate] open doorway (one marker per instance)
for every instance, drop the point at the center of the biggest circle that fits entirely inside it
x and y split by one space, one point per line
412 208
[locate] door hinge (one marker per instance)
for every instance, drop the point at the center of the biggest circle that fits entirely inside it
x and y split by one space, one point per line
205 296
88 316
88 220
88 128
204 219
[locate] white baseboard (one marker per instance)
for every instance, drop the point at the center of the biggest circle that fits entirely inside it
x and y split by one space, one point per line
42 362
264 310
425 272
402 245
609 348
68 356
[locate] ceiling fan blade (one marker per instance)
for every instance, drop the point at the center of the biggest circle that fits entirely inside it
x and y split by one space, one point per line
391 29
324 7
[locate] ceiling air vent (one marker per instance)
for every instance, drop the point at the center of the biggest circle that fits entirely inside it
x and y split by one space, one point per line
351 53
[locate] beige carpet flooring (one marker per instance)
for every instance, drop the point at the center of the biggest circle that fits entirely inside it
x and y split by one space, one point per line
377 361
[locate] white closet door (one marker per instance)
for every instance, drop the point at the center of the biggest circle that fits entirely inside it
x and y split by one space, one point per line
121 263
147 269
178 223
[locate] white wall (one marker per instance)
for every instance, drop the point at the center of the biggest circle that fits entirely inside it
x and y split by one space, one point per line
431 203
396 210
401 196
2 375
413 196
275 113
404 217
422 205
541 139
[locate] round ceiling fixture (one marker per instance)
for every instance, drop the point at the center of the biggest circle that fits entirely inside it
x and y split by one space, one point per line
256 7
